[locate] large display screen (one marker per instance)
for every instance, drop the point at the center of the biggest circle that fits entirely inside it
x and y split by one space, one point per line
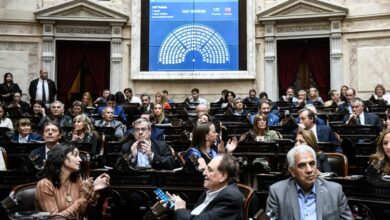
193 35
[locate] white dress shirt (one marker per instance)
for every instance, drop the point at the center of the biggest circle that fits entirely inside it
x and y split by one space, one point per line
39 90
210 196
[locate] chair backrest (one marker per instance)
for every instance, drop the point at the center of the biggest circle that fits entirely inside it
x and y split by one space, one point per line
181 155
338 163
248 193
85 164
25 196
4 155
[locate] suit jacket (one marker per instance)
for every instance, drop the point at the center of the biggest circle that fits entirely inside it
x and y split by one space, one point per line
118 110
39 155
31 137
325 134
4 89
330 200
162 159
32 90
228 205
117 125
369 119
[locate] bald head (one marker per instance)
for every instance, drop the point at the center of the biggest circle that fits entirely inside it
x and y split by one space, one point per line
201 109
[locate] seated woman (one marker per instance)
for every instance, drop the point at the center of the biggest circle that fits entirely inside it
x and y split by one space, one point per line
5 122
307 137
24 133
77 108
314 96
83 132
380 95
204 146
343 90
87 100
229 97
380 160
37 112
260 131
159 115
61 191
203 118
160 98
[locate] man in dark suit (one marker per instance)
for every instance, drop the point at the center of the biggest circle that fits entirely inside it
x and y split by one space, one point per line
359 116
222 199
305 195
346 107
57 115
52 134
145 152
42 89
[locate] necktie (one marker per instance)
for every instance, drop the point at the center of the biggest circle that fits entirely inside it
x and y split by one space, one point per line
43 92
358 120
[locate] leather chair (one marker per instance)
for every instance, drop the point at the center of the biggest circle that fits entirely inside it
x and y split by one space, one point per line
248 193
338 163
24 195
85 164
181 155
4 154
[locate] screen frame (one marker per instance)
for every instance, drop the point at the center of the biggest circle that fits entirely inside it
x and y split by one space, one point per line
140 48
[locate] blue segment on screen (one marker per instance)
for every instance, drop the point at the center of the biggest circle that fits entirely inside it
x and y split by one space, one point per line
189 35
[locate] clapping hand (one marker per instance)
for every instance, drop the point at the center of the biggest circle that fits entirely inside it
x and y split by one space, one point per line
231 145
179 202
101 182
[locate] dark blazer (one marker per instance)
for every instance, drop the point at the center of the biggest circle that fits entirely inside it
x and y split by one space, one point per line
31 137
369 119
162 159
118 111
228 205
343 108
4 89
32 90
64 121
325 134
39 155
330 200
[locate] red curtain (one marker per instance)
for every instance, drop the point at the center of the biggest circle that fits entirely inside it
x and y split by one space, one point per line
315 51
69 58
289 56
318 57
98 61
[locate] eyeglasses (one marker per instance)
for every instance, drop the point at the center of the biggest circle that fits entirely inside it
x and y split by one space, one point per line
140 129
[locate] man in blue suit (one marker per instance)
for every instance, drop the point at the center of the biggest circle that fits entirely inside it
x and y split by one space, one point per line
323 133
118 110
265 110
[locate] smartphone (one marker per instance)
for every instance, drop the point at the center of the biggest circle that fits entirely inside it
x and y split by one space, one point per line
164 197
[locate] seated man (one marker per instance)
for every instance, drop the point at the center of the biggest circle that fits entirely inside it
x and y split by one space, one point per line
57 115
222 199
346 107
319 121
252 99
145 152
146 105
359 116
289 97
265 110
335 99
108 121
118 110
52 134
195 99
305 195
130 98
323 133
238 108
156 133
102 99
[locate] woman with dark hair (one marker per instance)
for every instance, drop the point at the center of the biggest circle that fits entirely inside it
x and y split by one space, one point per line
203 118
229 97
307 137
37 112
260 131
8 88
159 115
77 108
120 98
5 122
343 90
61 191
204 145
84 132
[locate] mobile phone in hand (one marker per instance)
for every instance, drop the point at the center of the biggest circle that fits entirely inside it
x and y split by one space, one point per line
164 197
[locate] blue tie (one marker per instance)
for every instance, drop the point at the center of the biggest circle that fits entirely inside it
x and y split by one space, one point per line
43 92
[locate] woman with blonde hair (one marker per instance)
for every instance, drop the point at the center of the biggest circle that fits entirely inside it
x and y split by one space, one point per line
380 95
307 137
84 132
380 160
160 98
87 100
159 115
314 95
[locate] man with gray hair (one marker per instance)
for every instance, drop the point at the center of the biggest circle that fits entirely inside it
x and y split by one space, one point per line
57 115
359 116
144 152
305 195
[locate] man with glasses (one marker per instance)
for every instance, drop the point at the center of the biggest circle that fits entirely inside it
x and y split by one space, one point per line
145 152
42 89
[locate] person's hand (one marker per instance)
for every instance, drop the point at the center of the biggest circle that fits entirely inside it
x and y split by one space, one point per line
7 95
221 147
43 112
134 149
77 137
231 145
101 182
179 202
146 148
87 188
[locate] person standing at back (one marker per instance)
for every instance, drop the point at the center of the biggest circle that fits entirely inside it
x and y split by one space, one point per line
42 89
